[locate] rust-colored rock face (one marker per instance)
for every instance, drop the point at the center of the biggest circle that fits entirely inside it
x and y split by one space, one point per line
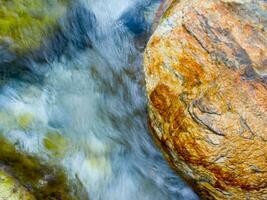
206 78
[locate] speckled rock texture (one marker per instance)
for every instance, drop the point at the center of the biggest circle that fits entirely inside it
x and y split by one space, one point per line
10 189
164 5
206 79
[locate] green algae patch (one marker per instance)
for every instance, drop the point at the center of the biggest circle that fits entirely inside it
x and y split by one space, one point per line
25 120
10 189
22 121
24 24
41 180
55 143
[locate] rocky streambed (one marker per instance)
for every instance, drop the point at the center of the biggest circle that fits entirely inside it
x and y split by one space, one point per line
74 99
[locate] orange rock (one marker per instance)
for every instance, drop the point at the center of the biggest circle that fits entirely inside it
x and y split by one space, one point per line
206 79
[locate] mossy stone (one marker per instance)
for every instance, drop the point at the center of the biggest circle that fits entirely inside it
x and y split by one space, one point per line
24 24
25 120
55 143
10 189
44 181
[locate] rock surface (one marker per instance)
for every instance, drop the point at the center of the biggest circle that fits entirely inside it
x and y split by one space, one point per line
165 4
25 23
10 189
25 177
206 69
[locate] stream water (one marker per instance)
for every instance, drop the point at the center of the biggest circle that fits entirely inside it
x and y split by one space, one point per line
80 102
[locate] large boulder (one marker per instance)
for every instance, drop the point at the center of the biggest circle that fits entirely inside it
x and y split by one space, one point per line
206 80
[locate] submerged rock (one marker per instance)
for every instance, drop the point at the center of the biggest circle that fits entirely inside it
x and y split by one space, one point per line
25 23
25 177
10 189
206 73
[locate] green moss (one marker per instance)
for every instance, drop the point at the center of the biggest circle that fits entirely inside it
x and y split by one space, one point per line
10 189
55 143
22 121
43 181
25 23
25 120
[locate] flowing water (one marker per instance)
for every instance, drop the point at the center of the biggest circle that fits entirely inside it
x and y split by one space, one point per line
79 101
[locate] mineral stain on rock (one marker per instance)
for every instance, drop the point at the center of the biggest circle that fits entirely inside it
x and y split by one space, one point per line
55 143
205 79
